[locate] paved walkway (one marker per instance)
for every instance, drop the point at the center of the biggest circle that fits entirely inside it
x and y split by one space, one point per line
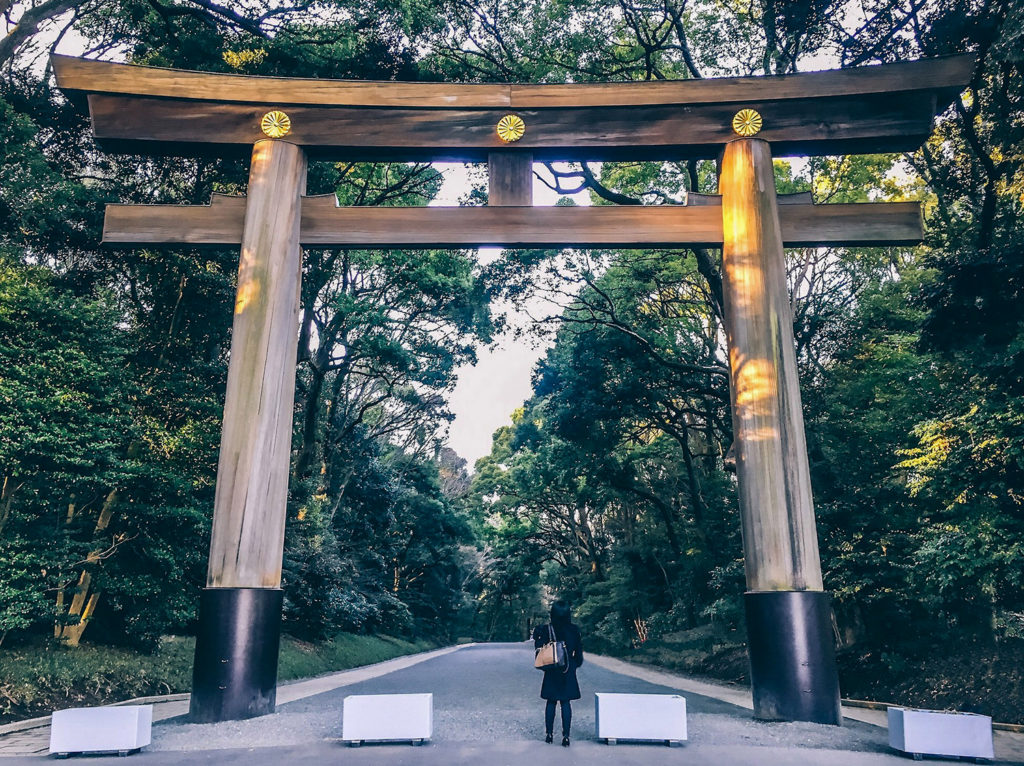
32 738
486 709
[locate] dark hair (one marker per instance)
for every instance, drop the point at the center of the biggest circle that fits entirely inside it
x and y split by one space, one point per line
560 613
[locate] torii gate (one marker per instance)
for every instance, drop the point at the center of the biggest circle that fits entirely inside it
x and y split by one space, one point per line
281 121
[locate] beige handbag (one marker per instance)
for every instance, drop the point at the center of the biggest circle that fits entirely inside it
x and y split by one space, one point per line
551 656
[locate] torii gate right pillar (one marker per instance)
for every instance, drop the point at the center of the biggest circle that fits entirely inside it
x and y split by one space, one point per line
792 655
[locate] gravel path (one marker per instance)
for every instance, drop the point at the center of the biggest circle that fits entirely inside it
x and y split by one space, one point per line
490 693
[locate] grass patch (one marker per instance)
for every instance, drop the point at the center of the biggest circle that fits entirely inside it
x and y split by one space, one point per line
302 660
973 677
36 680
707 651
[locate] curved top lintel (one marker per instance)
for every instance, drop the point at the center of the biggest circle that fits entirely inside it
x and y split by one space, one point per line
947 76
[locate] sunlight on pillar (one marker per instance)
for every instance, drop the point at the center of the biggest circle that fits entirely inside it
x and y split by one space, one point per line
756 387
248 290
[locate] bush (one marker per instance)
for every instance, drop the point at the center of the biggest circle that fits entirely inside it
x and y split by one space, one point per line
713 651
303 660
36 680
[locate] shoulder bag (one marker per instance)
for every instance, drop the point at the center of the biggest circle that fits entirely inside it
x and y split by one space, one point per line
552 656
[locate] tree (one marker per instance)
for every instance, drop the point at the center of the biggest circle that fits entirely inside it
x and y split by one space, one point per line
60 434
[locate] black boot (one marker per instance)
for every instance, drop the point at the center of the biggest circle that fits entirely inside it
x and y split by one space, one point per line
548 738
565 742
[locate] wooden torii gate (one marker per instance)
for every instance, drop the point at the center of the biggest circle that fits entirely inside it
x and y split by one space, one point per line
282 121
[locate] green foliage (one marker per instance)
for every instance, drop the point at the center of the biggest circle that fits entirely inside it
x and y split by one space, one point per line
73 451
35 680
383 557
613 486
341 652
129 438
609 485
61 428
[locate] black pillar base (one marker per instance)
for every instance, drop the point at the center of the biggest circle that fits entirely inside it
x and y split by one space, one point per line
234 675
792 657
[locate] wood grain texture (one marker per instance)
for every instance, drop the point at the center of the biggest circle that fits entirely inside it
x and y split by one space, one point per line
247 539
780 541
76 75
811 126
510 178
324 224
947 75
219 223
796 198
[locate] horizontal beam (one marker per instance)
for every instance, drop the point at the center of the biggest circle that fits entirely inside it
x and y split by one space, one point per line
159 111
76 75
666 226
814 127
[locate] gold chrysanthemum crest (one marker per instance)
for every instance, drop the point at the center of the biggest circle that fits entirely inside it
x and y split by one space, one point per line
511 128
276 124
747 122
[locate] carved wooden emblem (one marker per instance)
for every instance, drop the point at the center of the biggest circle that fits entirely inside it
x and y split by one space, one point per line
276 124
747 122
511 128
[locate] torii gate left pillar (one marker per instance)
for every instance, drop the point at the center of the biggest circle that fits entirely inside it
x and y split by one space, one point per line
237 641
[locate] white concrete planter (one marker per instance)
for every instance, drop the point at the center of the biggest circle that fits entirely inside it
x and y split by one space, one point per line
931 732
120 729
387 718
644 717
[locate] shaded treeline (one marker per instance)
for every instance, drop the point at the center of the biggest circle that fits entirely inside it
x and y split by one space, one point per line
113 363
614 486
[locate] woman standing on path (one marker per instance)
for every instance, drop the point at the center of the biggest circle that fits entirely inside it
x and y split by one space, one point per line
560 686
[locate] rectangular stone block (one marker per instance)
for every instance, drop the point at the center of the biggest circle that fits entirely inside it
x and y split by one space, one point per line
933 732
647 717
118 729
387 718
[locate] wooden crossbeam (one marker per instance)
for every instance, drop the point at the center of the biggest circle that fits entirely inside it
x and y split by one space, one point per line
870 109
324 224
844 126
77 75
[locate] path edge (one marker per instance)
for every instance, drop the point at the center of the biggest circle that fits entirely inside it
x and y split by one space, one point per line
37 723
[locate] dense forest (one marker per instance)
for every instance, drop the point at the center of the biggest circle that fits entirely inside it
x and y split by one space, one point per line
613 486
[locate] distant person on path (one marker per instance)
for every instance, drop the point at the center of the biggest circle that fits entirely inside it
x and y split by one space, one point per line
560 686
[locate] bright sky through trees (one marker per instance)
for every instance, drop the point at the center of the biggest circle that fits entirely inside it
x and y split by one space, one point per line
499 382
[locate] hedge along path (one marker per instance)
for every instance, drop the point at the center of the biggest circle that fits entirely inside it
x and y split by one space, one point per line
32 737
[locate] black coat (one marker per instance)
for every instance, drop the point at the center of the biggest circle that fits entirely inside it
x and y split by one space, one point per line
561 684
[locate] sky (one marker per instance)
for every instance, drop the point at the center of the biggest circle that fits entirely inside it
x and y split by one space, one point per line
487 393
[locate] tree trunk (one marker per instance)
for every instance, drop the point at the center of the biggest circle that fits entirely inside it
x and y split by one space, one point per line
83 603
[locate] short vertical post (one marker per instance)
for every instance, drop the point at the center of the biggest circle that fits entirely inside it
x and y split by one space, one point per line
792 654
510 178
235 670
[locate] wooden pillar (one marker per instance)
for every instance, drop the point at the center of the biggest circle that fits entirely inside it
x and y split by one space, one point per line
780 544
252 474
792 655
235 671
510 178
